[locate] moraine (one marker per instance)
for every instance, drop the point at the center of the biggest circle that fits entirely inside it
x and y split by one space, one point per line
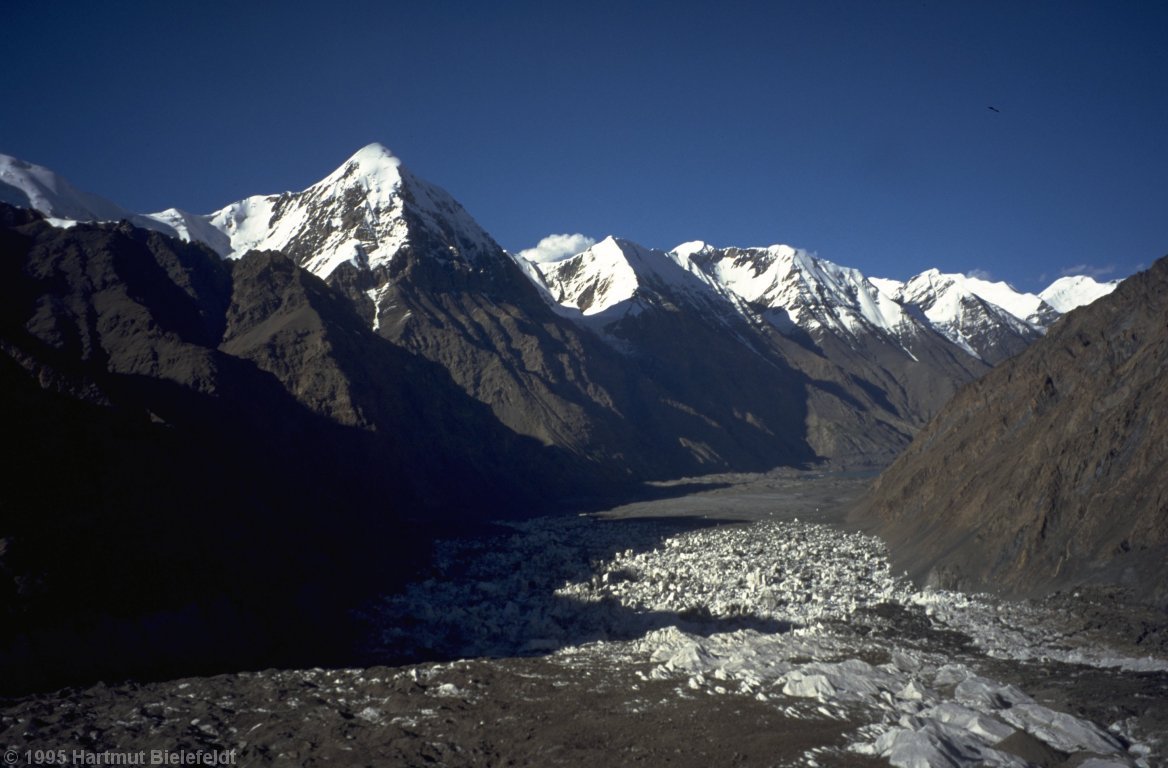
677 631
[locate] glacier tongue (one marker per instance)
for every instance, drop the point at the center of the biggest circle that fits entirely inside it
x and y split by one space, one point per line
804 617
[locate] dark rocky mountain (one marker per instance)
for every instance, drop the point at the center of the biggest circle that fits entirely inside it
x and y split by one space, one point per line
219 438
684 396
425 276
734 359
1051 470
203 455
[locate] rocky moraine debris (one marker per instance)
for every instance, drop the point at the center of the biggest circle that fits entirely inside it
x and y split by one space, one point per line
573 640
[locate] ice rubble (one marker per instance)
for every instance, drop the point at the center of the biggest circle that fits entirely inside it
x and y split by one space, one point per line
1020 631
791 572
782 612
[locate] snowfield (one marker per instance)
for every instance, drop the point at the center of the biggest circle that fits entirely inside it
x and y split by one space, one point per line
804 617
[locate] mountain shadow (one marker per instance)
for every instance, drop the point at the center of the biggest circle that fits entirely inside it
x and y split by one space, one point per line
207 457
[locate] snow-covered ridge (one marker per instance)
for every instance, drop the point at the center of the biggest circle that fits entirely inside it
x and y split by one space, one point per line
190 227
372 207
933 286
982 317
813 292
28 185
362 213
33 186
1074 291
780 284
791 288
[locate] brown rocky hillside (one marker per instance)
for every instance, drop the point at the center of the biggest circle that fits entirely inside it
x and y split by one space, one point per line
1052 470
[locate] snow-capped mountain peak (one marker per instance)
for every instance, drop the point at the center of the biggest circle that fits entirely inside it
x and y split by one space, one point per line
932 286
374 159
364 213
1074 291
608 273
371 209
687 251
1025 306
33 186
988 319
373 169
602 276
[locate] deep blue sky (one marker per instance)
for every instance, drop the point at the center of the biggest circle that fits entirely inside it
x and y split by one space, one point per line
859 130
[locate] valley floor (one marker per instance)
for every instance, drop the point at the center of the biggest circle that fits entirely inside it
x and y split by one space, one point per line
735 625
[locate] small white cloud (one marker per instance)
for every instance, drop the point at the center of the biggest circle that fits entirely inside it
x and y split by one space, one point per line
1087 269
981 274
557 248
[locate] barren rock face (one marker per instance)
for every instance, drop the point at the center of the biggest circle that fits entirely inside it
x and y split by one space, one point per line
1053 468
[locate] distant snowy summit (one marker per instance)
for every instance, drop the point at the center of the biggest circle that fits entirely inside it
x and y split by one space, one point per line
990 320
1075 291
28 185
793 289
372 208
786 286
363 213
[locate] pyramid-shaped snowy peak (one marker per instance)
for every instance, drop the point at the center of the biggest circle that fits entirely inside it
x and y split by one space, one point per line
614 271
364 213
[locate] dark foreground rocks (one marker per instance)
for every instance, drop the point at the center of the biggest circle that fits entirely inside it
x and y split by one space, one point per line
532 712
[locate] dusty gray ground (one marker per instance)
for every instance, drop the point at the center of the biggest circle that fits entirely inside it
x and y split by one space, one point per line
779 495
573 709
531 712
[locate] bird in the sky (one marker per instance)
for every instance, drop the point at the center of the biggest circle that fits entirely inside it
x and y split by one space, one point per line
994 109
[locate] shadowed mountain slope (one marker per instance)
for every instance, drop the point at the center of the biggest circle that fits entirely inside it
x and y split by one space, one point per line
202 455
